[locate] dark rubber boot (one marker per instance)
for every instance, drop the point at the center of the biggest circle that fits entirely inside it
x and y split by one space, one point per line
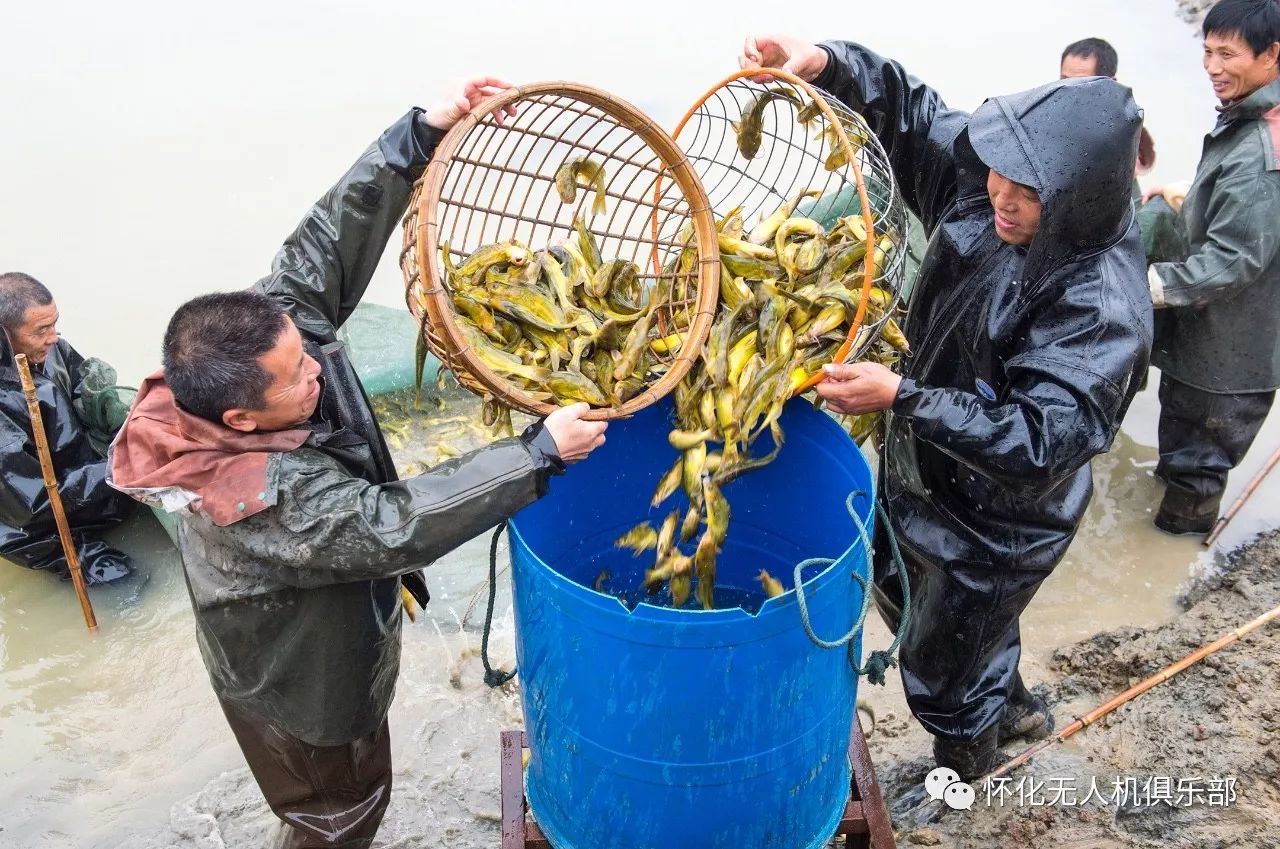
1178 516
105 566
970 758
1178 526
914 808
1203 436
1026 715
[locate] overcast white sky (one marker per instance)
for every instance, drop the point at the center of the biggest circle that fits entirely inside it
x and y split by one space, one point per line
151 151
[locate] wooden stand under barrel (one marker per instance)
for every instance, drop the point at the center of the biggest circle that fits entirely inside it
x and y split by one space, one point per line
865 824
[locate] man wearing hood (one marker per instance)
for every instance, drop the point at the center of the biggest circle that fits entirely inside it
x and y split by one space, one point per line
81 414
1030 327
1218 310
294 530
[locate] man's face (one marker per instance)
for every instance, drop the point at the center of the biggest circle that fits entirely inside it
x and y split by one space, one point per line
37 334
1234 69
1078 66
1017 209
294 391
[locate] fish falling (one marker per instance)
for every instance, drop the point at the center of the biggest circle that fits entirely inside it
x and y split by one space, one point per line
789 293
566 325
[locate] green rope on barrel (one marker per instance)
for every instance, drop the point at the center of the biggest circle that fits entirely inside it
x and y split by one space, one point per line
877 664
803 601
493 677
880 660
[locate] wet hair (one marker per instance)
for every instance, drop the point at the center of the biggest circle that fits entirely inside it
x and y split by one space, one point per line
211 351
1257 22
18 293
1105 60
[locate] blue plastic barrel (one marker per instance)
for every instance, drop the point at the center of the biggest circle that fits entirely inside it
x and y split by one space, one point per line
655 728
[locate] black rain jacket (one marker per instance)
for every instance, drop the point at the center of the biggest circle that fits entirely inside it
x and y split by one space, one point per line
1025 358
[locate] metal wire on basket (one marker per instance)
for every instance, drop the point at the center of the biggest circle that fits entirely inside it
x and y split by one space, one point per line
791 158
490 182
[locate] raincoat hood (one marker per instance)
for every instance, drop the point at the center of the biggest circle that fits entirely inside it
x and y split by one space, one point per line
223 472
8 360
1056 140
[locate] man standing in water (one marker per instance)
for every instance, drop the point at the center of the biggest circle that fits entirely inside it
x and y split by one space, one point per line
78 426
1095 57
294 531
1218 311
1030 327
1088 57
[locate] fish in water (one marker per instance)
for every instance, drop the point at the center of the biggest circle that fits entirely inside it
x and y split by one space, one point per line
772 586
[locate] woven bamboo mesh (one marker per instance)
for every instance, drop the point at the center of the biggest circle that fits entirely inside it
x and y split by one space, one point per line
792 158
491 183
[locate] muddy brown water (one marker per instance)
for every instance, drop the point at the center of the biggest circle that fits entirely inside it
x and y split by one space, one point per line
116 740
188 143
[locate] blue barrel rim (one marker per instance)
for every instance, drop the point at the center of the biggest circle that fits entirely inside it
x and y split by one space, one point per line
656 613
651 612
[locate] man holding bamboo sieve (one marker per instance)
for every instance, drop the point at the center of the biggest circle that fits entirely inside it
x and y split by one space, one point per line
294 531
1030 328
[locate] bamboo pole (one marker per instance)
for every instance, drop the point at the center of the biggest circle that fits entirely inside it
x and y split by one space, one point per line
1136 690
1221 524
51 487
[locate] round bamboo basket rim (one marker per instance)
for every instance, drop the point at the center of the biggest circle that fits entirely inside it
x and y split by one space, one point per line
439 310
869 268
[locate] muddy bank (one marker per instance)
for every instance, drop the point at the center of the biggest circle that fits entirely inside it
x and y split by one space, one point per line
1160 771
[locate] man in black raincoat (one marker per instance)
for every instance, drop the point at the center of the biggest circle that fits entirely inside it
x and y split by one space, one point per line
1030 327
78 430
294 530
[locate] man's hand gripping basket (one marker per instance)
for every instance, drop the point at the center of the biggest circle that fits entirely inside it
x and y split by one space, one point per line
566 253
